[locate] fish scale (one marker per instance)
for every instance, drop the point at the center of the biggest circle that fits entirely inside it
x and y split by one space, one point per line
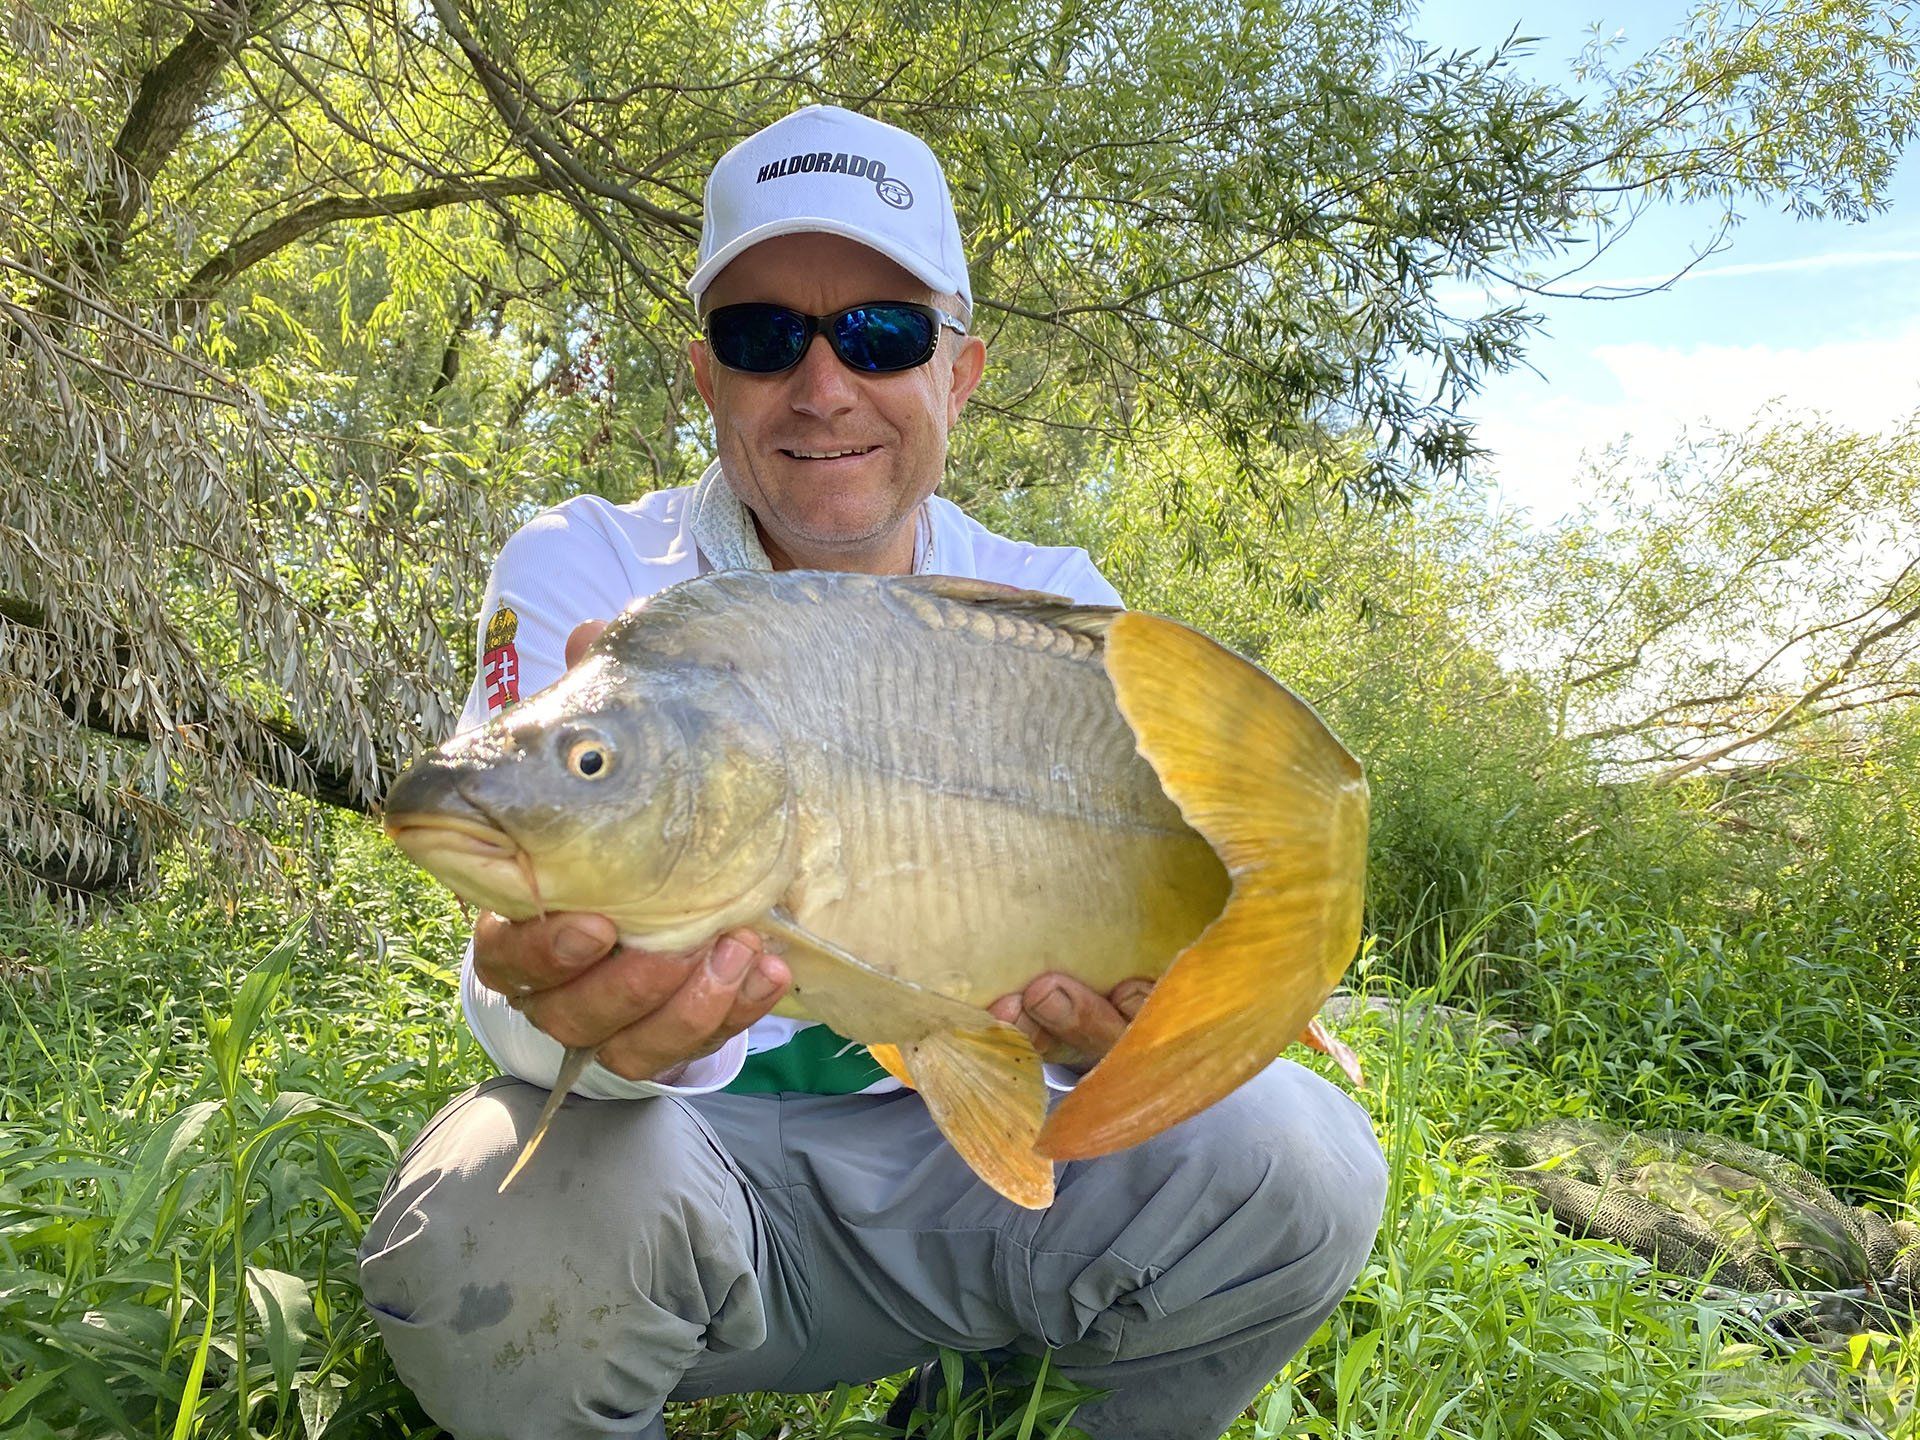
959 844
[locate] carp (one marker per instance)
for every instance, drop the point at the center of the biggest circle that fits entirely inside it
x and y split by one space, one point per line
924 792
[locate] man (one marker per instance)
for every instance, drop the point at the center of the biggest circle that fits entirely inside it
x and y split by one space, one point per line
753 1204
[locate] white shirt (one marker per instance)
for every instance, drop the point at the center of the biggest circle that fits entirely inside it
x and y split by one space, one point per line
588 559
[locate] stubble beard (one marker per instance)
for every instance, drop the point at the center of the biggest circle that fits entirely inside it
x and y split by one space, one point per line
787 535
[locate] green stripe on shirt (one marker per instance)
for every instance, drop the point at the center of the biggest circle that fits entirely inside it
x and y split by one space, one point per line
816 1061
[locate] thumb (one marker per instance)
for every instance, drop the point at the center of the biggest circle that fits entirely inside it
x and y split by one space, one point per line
584 634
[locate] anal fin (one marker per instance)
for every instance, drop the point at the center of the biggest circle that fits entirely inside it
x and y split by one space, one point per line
981 1078
889 1059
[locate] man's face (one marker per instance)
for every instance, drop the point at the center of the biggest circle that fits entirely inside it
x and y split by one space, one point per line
855 512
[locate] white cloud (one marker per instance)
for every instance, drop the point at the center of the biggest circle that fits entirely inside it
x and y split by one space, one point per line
1537 443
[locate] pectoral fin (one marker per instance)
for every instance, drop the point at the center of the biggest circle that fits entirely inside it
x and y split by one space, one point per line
572 1066
857 1000
1284 805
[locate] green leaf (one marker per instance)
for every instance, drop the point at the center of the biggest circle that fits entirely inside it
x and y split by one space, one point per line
1353 1364
196 1372
1033 1398
160 1160
319 1400
283 1302
87 1382
444 975
228 1036
15 1400
290 1110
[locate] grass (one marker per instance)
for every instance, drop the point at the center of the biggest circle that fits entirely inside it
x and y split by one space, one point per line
201 1099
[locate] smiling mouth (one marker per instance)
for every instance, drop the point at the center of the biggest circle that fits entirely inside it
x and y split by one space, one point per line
850 453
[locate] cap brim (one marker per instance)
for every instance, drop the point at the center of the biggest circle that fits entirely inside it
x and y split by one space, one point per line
917 265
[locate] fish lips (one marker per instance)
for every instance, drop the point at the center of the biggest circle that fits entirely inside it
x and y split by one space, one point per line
446 834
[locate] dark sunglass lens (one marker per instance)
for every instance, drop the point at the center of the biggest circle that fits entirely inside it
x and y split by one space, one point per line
760 338
884 337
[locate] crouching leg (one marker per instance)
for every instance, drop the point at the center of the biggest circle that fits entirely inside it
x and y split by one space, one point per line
572 1304
1182 1274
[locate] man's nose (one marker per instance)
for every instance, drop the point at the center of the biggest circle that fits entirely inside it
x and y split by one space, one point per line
820 385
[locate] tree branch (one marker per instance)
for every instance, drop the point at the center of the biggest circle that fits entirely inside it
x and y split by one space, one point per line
249 250
164 107
1800 710
324 779
554 158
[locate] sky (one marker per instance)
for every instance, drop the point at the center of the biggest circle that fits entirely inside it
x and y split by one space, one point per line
1809 315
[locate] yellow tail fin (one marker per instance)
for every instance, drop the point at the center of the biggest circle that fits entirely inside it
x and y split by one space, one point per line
986 1092
1284 805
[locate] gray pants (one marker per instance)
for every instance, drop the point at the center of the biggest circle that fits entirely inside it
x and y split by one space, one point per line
664 1249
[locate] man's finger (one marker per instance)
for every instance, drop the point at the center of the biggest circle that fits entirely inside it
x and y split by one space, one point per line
584 634
517 957
1074 1015
1129 995
596 1005
692 1018
760 990
1011 1009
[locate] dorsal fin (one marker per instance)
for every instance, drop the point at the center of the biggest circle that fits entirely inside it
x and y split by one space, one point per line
671 622
1058 612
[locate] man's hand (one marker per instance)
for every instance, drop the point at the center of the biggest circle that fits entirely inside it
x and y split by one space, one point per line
649 1014
581 636
1068 1023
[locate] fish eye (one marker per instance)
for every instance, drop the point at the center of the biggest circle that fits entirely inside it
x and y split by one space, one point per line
590 758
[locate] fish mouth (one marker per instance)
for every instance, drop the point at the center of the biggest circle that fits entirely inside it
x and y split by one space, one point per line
452 833
479 862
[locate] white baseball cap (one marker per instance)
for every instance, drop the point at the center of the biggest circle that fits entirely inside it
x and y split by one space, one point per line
827 169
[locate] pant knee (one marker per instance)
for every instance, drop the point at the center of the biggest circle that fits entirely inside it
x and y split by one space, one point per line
585 1289
1299 1165
1256 1214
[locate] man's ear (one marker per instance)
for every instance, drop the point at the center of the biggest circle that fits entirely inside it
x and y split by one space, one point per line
968 366
702 364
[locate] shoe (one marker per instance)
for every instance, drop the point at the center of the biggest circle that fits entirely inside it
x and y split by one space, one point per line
916 1393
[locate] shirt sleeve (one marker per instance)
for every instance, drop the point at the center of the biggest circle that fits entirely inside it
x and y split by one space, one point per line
1078 578
556 572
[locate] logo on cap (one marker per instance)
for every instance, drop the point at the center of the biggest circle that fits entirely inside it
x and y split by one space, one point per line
827 162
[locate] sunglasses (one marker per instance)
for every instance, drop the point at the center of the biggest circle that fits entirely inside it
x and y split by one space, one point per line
877 337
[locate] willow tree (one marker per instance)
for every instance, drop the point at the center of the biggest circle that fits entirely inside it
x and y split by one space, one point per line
303 306
1745 602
